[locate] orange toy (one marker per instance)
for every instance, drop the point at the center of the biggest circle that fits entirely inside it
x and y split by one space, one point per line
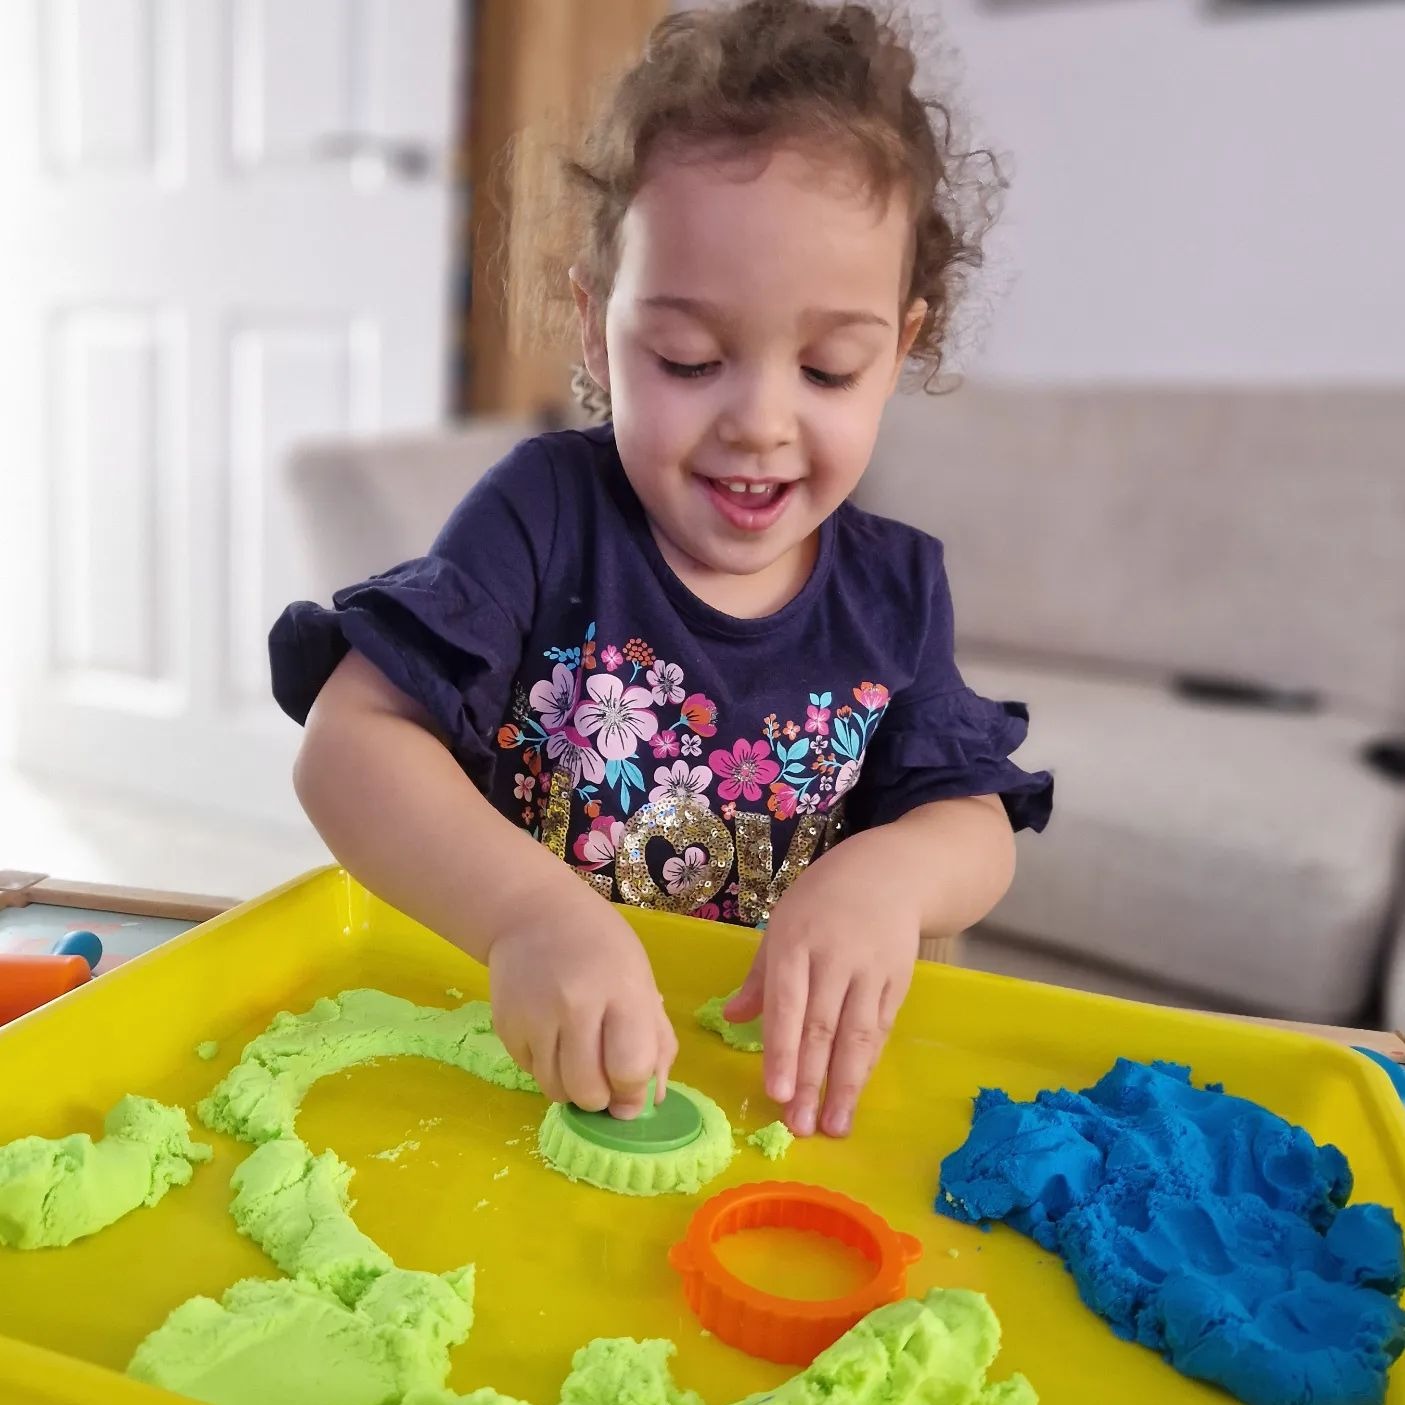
27 982
785 1330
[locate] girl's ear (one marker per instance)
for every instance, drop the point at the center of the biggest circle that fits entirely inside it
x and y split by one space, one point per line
907 334
591 311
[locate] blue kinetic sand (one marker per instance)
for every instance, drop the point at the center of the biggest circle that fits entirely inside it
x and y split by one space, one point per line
1393 1069
1198 1224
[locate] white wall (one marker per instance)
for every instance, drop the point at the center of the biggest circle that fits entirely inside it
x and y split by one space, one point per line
1196 195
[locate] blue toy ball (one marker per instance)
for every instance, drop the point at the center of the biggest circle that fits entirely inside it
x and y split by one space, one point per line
84 944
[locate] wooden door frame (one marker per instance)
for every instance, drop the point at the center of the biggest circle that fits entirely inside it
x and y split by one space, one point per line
533 62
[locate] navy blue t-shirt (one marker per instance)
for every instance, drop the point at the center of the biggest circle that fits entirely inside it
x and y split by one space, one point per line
677 757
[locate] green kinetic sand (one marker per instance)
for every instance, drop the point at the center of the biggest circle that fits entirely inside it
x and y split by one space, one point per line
772 1141
935 1349
931 1351
349 1328
296 1208
258 1099
53 1192
290 1342
746 1036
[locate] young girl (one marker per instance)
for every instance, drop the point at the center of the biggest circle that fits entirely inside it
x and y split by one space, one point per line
665 661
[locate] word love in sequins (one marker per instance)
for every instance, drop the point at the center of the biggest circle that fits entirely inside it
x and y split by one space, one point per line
689 828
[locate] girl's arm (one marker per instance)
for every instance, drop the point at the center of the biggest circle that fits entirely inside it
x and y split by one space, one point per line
837 958
956 858
574 999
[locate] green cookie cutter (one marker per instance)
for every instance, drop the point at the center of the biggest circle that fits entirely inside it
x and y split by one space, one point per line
665 1126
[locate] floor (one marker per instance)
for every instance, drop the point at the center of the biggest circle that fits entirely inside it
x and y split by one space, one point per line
68 831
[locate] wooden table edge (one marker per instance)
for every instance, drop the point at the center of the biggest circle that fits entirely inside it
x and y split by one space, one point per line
20 889
1382 1041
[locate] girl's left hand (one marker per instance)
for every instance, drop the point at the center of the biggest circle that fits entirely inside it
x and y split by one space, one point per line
831 973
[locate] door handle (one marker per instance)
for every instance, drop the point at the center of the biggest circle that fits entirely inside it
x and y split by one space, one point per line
404 158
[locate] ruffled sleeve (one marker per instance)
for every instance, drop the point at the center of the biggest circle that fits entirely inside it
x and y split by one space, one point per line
447 629
945 746
938 740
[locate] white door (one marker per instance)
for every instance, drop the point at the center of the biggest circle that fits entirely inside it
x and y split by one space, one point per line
224 227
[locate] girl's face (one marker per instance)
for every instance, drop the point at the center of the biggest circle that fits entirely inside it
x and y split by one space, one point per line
754 331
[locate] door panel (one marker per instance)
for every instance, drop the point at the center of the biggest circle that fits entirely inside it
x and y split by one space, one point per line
225 228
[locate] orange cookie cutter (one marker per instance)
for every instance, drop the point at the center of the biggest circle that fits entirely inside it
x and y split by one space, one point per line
789 1331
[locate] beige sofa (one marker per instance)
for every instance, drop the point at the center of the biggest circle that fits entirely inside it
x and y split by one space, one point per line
1099 542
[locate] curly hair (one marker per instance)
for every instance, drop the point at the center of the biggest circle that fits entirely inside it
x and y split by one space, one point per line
762 72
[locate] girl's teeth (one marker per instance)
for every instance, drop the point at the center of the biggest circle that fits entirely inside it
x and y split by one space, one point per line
757 488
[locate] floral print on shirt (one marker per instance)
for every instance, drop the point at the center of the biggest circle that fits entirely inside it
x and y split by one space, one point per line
627 729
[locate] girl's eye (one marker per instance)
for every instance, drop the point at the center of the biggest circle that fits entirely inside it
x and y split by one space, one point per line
828 380
686 370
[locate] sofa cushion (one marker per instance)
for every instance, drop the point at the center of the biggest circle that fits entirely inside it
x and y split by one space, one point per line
1242 853
359 506
1392 1012
1001 955
1236 530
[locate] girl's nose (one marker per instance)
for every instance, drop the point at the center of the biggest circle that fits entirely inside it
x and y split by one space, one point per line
759 417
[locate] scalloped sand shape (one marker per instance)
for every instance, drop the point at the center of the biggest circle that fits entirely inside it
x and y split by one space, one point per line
684 1171
53 1192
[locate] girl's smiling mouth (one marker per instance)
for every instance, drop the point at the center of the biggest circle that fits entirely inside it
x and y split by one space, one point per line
747 504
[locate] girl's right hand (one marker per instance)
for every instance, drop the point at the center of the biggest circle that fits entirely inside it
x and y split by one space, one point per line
575 1003
574 999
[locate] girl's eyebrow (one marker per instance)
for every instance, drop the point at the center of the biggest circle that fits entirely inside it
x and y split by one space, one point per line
821 319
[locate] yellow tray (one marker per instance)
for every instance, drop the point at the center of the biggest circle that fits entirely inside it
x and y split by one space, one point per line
558 1263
